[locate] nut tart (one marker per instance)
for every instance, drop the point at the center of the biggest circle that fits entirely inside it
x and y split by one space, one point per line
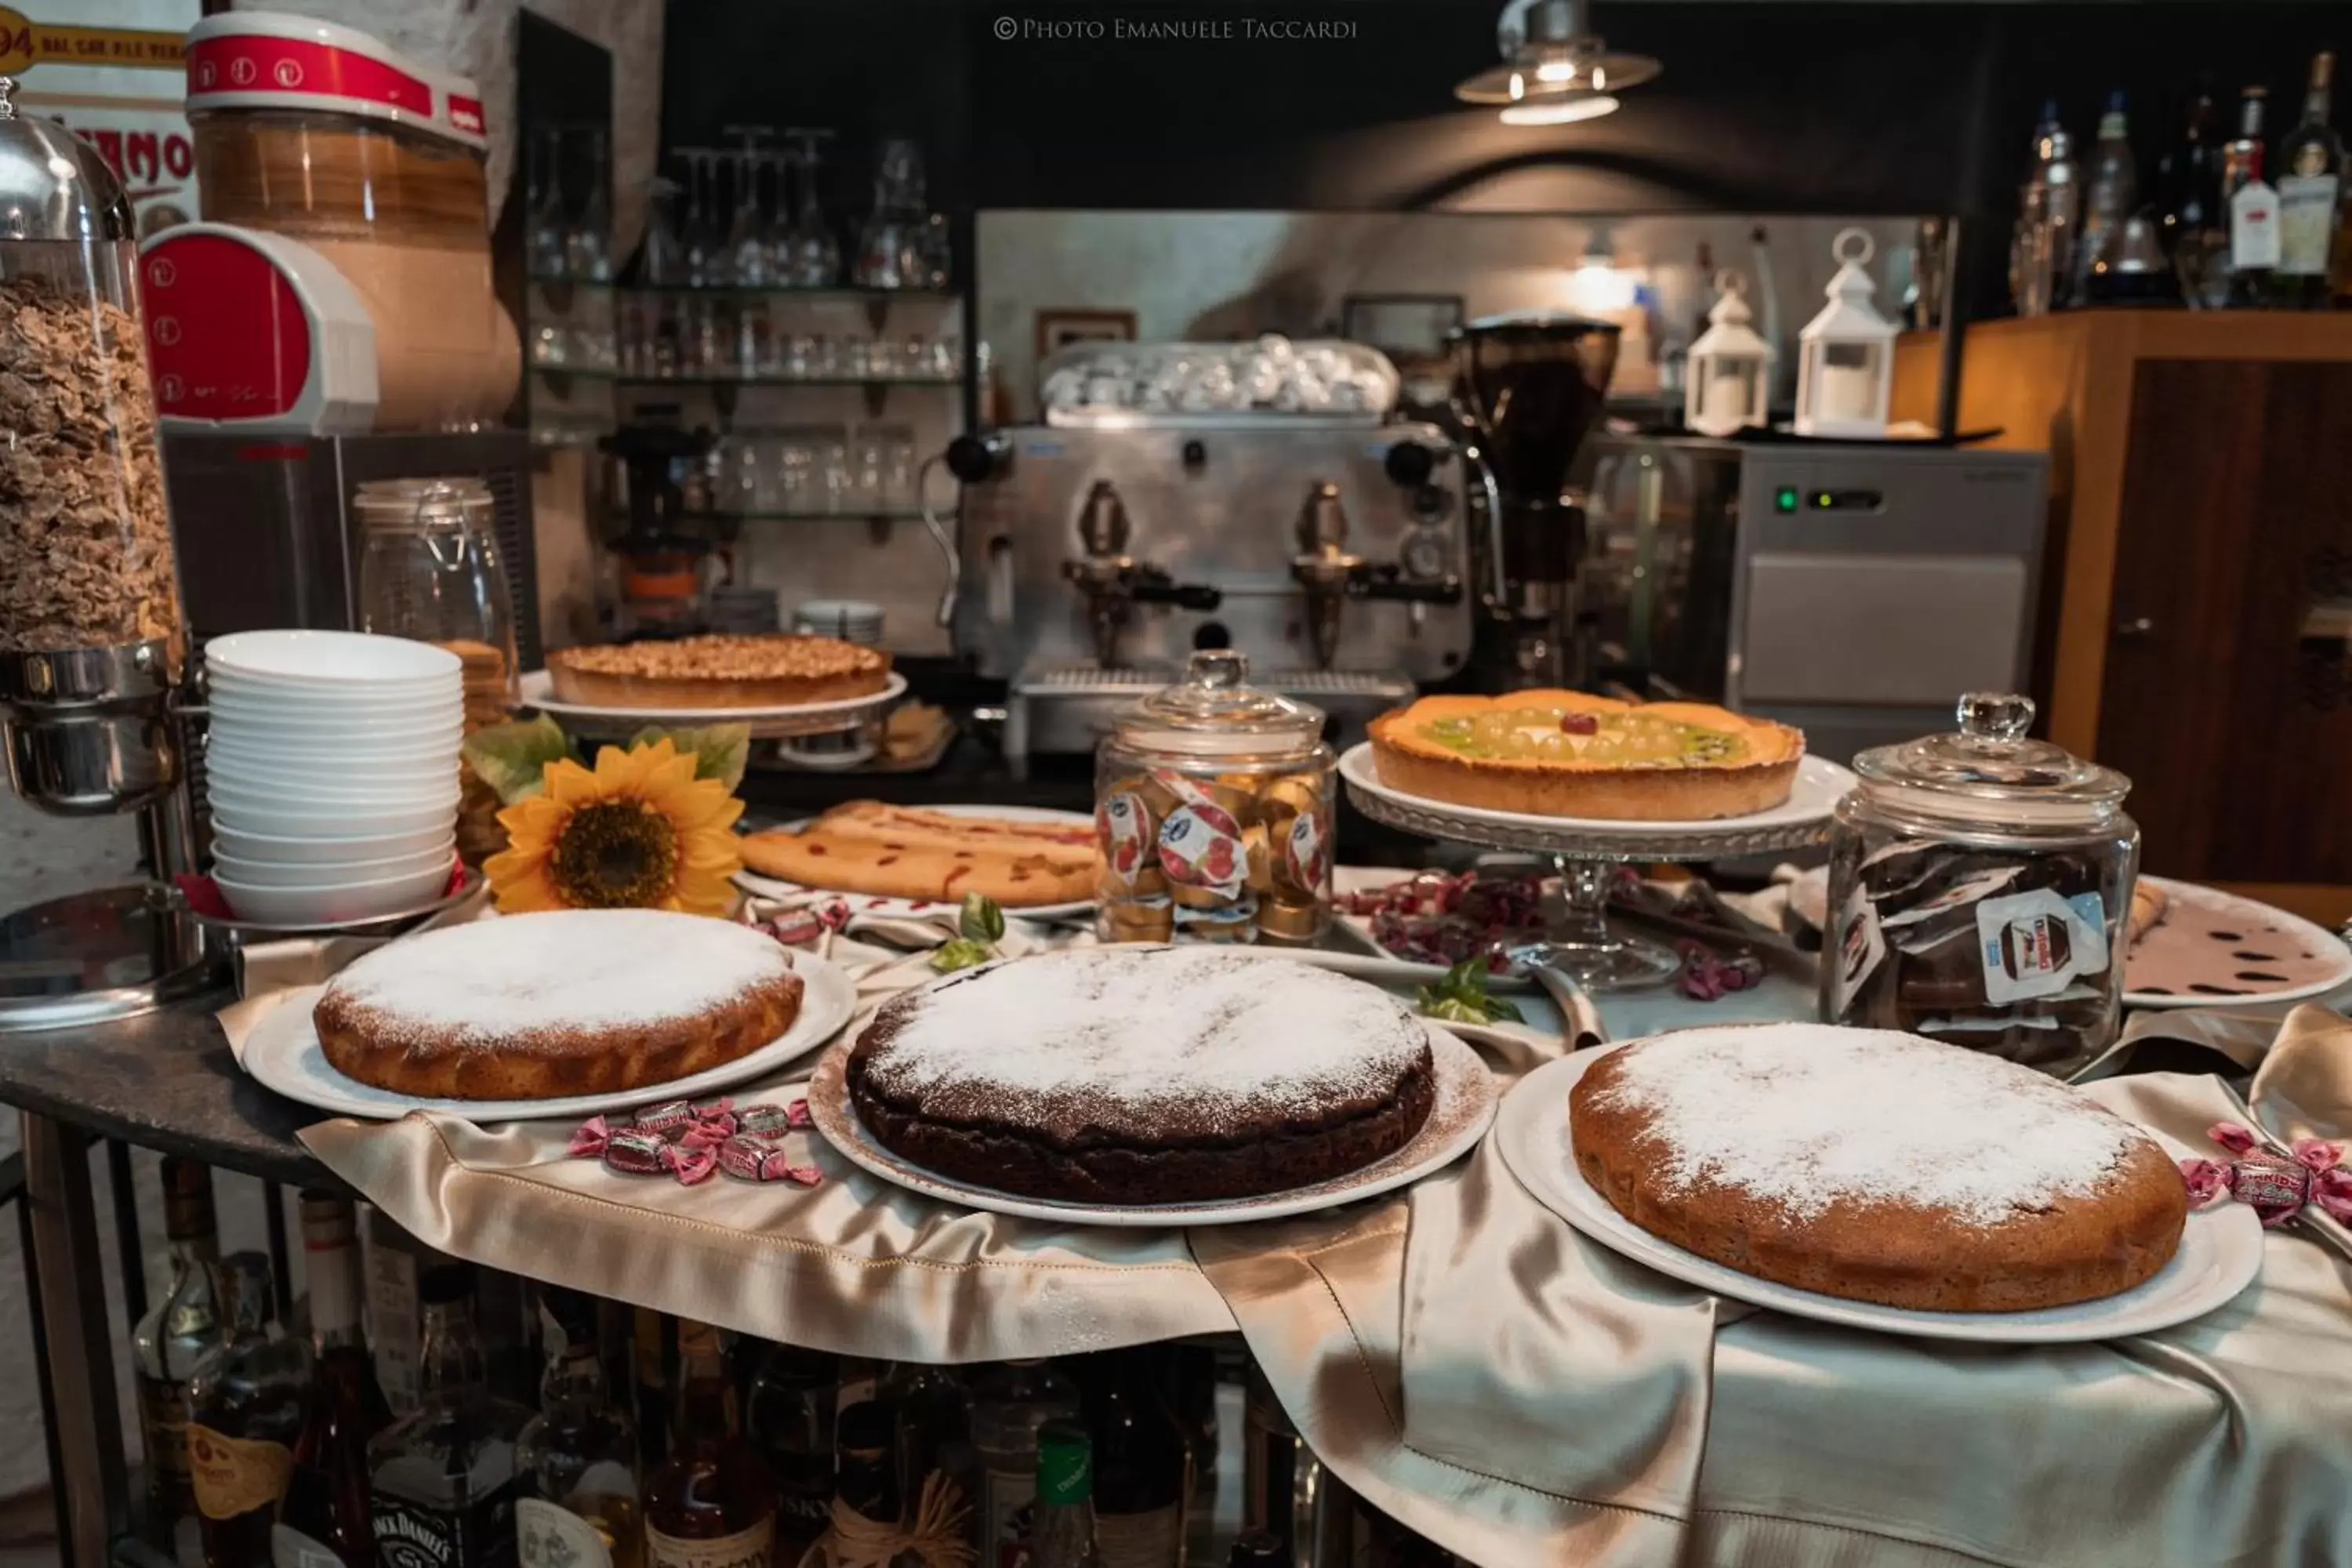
902 852
550 1006
1571 754
718 672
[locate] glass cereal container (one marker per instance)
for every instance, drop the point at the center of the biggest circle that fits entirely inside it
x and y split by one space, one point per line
1215 807
1979 892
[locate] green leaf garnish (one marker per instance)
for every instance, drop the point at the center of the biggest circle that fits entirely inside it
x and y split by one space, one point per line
513 758
961 954
720 751
1462 996
980 919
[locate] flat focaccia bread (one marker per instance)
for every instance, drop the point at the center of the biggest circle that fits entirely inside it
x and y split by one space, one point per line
718 671
545 1006
889 851
1568 753
1877 1166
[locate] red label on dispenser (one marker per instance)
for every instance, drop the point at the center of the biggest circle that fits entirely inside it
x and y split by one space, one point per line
466 114
253 62
226 337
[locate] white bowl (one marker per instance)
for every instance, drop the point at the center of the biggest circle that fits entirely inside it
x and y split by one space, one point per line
312 739
278 849
343 873
313 658
328 702
250 804
242 814
332 775
333 905
334 756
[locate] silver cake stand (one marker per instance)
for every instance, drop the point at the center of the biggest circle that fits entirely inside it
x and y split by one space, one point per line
1587 851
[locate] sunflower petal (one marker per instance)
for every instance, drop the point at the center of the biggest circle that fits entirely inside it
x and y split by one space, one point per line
569 783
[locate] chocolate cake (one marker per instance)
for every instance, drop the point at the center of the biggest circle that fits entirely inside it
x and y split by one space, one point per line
1141 1075
1877 1166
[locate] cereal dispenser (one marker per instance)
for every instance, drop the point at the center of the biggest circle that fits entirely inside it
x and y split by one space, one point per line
90 615
1213 811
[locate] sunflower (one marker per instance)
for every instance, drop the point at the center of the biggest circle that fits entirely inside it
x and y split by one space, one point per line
640 832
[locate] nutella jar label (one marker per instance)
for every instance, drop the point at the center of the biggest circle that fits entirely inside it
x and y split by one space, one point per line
2033 944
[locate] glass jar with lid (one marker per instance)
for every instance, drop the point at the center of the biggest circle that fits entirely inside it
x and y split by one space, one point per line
86 556
1979 890
429 569
1214 811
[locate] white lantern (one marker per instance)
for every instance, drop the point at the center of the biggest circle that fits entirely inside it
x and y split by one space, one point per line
1846 363
1728 377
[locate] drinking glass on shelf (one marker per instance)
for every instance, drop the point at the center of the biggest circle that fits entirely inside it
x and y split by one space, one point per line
742 454
796 490
754 338
747 243
945 362
774 444
837 482
803 353
868 454
545 231
895 488
705 236
588 239
854 359
815 253
664 258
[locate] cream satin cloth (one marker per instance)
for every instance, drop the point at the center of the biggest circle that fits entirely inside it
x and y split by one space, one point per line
1473 1366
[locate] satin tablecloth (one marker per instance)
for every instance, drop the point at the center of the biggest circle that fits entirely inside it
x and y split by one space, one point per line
1473 1366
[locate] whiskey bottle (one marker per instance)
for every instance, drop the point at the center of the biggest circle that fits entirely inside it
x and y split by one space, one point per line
2253 207
443 1477
712 1503
1009 1401
325 1522
1063 1530
167 1345
577 1458
1141 1471
790 1413
869 1474
2310 165
244 1410
933 1408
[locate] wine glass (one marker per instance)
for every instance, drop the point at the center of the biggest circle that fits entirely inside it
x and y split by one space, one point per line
748 256
705 240
815 253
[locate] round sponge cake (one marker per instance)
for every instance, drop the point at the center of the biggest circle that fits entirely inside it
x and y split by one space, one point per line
567 1002
1877 1166
1138 1075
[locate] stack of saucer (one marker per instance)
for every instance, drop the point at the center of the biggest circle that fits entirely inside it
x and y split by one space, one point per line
851 620
331 769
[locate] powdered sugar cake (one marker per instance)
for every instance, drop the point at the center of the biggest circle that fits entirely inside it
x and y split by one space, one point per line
547 1005
1143 1075
1877 1166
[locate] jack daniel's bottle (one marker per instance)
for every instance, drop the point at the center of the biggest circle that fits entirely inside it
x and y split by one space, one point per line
444 1475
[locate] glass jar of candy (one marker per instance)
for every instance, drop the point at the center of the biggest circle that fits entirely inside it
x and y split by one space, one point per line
1980 892
1214 809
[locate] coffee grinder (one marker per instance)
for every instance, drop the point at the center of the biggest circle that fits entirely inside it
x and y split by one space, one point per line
90 635
1527 390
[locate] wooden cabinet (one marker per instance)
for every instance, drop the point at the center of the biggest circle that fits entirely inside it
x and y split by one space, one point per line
2197 625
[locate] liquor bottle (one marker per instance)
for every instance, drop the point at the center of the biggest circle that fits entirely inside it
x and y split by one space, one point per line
789 1412
1142 1469
933 1406
2253 205
324 1520
869 1473
1009 1401
1064 1533
2111 196
576 1461
443 1477
2310 177
244 1411
166 1347
654 1339
2194 232
2050 213
2339 286
712 1503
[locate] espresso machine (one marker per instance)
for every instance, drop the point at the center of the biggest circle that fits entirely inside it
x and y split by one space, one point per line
1527 390
90 646
1165 505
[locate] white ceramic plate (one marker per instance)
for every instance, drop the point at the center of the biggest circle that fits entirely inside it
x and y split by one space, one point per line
1819 786
284 1054
2214 948
1464 1109
886 908
2221 1250
807 717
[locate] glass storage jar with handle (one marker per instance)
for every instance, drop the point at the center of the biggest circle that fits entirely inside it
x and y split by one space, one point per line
1979 890
429 569
1214 812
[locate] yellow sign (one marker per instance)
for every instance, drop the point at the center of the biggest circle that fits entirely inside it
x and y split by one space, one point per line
25 43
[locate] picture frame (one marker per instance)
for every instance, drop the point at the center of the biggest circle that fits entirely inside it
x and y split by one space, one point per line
1058 329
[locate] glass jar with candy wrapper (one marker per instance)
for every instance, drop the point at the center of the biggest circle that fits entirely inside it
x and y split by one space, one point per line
1214 810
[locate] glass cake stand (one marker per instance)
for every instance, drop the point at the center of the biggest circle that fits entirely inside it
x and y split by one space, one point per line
1588 851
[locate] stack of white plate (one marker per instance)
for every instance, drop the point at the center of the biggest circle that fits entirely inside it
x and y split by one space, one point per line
331 766
851 620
